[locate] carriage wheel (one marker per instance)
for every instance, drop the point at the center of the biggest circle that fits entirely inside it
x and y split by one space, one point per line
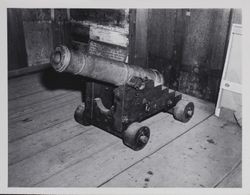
183 111
136 136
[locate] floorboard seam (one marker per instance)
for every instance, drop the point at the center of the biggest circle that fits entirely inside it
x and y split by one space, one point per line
14 140
147 156
45 111
227 174
32 84
90 155
78 161
41 101
12 99
90 128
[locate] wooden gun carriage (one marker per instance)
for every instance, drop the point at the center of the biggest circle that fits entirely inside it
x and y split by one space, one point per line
137 94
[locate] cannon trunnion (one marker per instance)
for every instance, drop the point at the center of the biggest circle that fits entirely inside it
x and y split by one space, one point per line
136 95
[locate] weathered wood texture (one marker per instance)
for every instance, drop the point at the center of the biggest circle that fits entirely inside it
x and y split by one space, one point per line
200 158
103 31
36 14
32 34
139 20
43 29
161 27
39 44
27 70
17 56
60 27
38 35
31 95
48 148
187 46
106 34
91 153
162 33
106 17
232 180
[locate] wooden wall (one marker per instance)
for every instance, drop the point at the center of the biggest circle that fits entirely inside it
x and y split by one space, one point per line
187 45
103 31
38 35
17 56
30 36
105 34
33 33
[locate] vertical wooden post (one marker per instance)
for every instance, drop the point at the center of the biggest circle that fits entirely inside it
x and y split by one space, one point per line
141 51
179 38
138 37
131 47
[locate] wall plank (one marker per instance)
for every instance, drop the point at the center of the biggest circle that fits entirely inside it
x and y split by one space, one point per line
141 29
161 32
106 17
108 36
38 38
161 42
203 52
17 56
188 47
34 35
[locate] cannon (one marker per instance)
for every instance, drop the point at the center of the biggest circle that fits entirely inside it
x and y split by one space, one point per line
134 94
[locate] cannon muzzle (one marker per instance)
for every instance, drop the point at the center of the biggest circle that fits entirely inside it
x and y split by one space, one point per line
106 70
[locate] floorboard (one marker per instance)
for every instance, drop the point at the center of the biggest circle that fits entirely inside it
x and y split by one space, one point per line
21 127
102 166
25 85
199 158
30 79
233 179
43 140
41 102
47 148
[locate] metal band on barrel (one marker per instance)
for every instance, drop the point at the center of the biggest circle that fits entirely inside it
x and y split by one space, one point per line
83 65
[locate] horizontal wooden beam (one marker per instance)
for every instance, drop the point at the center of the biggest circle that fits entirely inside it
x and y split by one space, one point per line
108 36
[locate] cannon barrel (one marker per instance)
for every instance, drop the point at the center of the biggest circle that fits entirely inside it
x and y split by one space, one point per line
114 72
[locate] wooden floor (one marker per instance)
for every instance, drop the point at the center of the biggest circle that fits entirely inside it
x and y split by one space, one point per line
47 148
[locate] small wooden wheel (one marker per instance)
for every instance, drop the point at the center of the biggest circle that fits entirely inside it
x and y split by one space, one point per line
136 136
183 111
79 115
